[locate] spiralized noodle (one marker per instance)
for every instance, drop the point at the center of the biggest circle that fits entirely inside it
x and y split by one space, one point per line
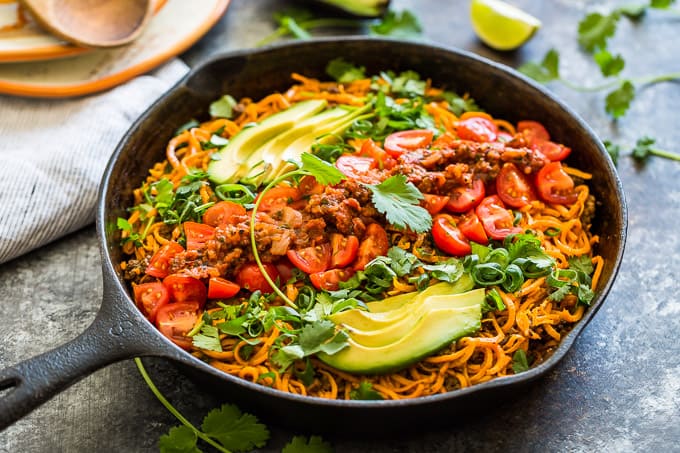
530 321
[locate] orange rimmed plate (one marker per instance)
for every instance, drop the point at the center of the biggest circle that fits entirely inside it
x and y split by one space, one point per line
74 71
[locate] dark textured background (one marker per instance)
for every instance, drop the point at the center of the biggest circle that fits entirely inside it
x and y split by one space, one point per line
617 390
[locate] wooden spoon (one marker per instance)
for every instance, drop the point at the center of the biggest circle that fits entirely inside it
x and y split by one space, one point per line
92 23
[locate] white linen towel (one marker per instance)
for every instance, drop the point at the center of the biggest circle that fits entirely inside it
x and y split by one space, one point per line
53 154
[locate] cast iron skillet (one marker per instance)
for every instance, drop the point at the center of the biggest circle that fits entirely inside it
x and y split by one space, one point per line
121 332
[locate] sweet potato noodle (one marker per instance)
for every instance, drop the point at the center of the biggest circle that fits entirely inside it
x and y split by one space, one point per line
530 320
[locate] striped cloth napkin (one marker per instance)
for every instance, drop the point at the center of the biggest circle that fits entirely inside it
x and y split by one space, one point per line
53 154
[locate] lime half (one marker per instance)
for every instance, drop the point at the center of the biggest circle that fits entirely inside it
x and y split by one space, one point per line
500 25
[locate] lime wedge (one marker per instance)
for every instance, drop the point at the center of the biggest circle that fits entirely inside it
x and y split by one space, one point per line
500 25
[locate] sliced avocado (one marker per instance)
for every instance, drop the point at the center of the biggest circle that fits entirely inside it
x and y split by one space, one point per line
228 160
396 330
366 321
464 283
434 330
269 155
325 133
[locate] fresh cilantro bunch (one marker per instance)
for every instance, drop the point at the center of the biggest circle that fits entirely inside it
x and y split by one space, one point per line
594 32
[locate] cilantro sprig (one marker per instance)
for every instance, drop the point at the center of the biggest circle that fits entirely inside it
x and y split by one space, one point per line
594 33
298 23
643 150
399 200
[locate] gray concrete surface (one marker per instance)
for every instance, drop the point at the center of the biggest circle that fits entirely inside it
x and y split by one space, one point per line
618 390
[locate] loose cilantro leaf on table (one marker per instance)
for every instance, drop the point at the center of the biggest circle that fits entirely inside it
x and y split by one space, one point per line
610 65
180 439
595 29
618 101
404 25
545 71
399 201
645 148
300 444
613 150
235 430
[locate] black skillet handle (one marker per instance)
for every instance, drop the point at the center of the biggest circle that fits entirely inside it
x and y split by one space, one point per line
117 333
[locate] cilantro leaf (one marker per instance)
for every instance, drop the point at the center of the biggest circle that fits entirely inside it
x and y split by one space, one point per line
581 264
403 25
365 392
321 336
345 72
209 339
546 71
613 150
644 148
234 430
610 65
398 200
180 439
408 84
223 107
661 4
300 444
458 105
519 361
633 11
323 172
618 101
595 29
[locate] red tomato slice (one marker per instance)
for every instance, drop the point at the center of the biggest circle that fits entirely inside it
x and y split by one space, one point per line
533 130
477 128
357 167
497 221
150 297
463 199
330 280
448 237
250 277
198 234
311 259
344 250
551 150
223 213
375 244
221 288
309 186
183 288
176 320
278 197
555 185
472 228
514 187
434 203
382 159
399 143
160 261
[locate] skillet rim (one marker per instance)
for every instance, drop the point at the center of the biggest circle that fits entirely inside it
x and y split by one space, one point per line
174 352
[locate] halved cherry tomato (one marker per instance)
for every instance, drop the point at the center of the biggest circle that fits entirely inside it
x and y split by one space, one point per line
330 280
463 199
497 221
448 237
551 150
221 288
150 297
311 259
160 261
555 185
514 187
533 130
198 234
344 249
278 197
472 228
176 320
223 213
477 128
382 159
250 277
401 142
375 244
434 203
183 288
357 167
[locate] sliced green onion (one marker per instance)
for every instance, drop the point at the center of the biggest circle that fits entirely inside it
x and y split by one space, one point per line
236 193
